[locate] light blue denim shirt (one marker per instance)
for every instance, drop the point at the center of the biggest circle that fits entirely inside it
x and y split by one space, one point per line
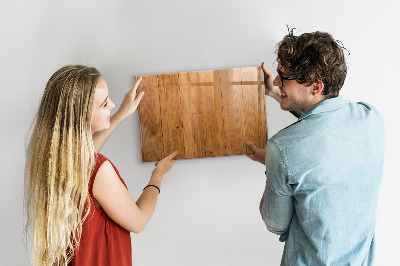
323 176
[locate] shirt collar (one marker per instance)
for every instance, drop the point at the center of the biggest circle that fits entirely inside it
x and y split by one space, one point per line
325 106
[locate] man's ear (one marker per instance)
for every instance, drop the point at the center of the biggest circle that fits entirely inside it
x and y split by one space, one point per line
317 88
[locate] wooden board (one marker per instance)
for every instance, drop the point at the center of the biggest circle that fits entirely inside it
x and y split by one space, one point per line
202 114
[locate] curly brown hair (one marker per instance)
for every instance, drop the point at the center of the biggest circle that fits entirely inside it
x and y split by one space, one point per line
314 57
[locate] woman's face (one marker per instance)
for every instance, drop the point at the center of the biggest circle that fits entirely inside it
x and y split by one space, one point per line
102 106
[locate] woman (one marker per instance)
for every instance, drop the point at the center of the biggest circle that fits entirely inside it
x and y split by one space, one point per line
78 207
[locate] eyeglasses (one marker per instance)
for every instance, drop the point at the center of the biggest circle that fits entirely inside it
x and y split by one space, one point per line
282 78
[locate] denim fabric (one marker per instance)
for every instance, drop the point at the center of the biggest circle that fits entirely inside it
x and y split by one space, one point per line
323 176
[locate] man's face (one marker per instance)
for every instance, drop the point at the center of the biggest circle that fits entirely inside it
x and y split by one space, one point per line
294 96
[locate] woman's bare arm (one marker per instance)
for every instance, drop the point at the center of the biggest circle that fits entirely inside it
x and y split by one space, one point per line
116 201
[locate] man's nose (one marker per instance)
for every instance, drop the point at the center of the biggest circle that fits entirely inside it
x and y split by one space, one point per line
277 81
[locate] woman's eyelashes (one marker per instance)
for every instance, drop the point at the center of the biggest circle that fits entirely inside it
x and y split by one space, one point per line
106 103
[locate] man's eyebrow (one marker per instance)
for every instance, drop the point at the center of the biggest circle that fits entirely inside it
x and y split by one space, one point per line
283 74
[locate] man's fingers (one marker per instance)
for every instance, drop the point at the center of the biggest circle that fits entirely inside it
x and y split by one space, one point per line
251 146
265 69
251 156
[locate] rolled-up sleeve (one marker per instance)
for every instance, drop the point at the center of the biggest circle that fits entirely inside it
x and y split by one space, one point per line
277 209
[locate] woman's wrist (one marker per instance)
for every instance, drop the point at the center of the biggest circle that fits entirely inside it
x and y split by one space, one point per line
156 178
118 116
157 187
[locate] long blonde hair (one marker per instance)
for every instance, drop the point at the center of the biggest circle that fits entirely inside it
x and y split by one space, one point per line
59 161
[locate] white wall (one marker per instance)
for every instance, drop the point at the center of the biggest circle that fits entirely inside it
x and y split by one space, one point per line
208 208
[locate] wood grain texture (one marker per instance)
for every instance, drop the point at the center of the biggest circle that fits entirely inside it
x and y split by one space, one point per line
150 119
202 114
191 114
171 121
233 111
211 104
250 101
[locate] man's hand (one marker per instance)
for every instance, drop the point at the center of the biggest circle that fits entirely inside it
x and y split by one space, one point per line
258 154
270 89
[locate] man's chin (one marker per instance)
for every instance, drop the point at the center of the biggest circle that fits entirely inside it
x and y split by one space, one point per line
284 108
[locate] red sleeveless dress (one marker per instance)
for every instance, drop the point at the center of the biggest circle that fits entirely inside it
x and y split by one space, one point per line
103 241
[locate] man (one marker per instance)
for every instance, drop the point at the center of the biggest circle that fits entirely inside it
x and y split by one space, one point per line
323 171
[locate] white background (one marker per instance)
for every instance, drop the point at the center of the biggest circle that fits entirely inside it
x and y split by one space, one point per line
208 208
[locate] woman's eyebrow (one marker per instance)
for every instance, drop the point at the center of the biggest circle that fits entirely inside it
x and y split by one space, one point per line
104 101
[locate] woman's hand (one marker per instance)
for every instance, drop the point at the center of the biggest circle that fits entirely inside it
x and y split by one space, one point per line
270 89
258 154
163 166
131 101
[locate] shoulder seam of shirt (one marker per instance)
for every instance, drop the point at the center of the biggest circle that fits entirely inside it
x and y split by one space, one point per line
325 110
314 133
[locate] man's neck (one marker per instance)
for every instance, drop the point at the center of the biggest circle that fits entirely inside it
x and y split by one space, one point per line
316 100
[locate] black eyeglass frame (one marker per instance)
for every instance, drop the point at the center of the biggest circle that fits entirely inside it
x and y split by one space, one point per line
282 78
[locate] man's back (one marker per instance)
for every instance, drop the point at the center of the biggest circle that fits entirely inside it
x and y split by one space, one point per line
329 166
